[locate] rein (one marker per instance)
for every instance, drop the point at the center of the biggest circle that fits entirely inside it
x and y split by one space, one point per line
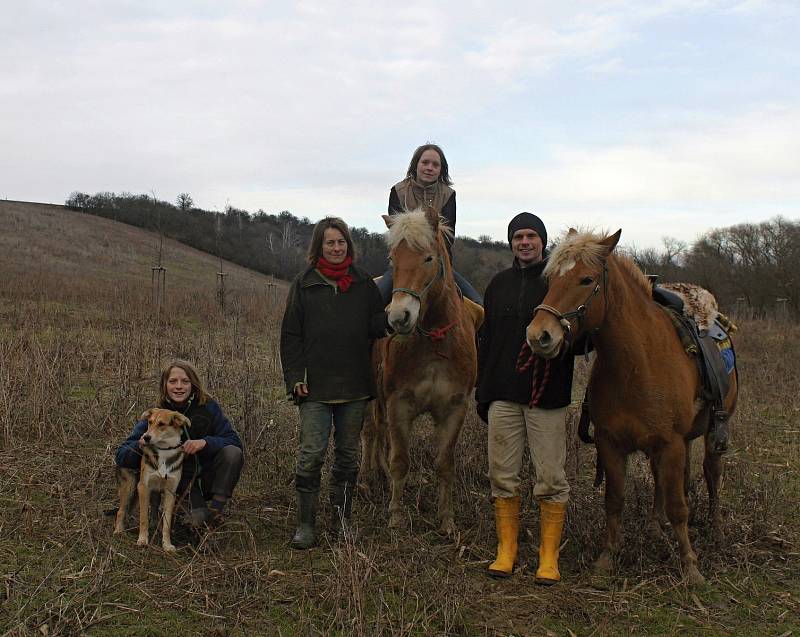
527 358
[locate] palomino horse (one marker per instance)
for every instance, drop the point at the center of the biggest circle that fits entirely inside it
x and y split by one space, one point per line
645 390
429 364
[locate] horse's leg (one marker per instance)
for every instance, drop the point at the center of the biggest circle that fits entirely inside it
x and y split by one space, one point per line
449 420
671 462
369 445
614 464
400 417
712 471
658 518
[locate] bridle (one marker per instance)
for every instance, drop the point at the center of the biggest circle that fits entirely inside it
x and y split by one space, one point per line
419 295
579 312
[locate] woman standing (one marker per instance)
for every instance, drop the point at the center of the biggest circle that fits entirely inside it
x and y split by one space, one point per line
212 444
333 313
427 183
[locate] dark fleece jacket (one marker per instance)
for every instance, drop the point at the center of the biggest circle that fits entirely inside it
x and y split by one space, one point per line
509 302
327 334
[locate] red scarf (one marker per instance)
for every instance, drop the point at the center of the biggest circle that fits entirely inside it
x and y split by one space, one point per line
337 273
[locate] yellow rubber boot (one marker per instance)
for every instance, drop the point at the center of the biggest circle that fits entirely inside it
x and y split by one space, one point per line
552 522
506 516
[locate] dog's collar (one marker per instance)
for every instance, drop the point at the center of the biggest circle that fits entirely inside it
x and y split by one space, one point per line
166 448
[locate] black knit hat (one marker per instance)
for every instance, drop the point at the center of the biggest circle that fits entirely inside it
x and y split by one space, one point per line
527 221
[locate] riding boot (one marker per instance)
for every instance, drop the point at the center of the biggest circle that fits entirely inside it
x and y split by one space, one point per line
506 516
551 516
305 536
341 498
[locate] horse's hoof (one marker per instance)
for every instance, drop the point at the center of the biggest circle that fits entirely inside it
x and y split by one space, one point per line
397 520
448 527
693 576
603 565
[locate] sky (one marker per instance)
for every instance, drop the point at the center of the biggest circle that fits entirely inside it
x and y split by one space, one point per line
665 119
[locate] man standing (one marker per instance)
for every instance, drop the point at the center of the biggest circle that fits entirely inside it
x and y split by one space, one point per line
523 406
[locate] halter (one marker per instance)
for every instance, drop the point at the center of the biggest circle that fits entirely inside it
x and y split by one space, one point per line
580 311
419 295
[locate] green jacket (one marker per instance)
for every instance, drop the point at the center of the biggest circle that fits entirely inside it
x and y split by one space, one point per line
326 336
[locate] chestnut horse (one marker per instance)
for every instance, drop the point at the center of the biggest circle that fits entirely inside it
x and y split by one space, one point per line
645 390
429 364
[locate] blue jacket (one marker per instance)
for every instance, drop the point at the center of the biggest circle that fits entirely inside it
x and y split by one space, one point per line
208 423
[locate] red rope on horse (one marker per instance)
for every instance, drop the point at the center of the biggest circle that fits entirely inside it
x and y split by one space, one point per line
439 333
523 364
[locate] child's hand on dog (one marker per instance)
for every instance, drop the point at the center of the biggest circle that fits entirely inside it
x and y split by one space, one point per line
191 447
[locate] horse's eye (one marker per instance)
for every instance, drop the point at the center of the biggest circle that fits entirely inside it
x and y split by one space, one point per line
429 259
587 280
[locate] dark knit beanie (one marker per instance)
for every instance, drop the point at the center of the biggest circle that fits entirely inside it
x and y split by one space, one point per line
527 221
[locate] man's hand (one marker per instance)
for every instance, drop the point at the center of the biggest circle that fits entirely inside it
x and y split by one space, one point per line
301 389
191 447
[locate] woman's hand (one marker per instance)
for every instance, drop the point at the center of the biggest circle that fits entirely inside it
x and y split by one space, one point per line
301 389
191 447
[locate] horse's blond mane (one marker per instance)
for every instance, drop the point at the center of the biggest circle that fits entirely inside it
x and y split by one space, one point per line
413 226
586 248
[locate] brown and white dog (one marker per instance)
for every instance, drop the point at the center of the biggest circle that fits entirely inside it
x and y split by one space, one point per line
161 469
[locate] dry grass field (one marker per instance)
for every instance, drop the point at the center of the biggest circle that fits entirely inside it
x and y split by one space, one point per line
80 349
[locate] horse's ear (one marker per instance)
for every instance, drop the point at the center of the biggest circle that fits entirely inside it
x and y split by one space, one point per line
611 241
389 220
433 217
572 231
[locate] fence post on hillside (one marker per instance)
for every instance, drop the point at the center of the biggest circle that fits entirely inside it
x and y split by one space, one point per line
781 309
221 274
272 290
221 288
158 286
739 309
158 273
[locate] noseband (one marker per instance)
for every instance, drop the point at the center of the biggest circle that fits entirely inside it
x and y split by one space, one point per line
419 295
579 312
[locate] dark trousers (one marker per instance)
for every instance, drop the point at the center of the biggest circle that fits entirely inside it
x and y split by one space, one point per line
316 422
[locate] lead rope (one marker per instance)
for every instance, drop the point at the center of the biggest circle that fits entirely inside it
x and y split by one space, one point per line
527 358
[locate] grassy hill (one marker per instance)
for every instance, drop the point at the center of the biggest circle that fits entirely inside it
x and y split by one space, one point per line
80 349
66 244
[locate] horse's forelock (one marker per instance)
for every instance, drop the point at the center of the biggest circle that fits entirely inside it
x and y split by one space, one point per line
582 247
414 228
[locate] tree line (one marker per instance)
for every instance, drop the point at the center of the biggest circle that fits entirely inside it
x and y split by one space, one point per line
748 267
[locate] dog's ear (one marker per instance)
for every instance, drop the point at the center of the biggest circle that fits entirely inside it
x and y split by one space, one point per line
179 421
146 415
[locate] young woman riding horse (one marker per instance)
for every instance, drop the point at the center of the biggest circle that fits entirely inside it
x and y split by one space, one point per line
645 390
429 364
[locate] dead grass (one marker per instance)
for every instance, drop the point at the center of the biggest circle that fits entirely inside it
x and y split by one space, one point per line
79 354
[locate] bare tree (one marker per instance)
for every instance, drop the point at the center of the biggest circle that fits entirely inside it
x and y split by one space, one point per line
185 201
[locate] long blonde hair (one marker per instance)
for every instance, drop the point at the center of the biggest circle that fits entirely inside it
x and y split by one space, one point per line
198 389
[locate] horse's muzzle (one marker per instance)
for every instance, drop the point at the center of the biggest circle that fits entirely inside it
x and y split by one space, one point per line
544 344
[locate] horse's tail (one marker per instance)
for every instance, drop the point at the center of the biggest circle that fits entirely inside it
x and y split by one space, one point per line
599 472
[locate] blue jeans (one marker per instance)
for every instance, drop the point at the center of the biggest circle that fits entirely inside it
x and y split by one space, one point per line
316 421
386 282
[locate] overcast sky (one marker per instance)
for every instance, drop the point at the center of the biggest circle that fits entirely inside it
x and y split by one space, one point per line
663 118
